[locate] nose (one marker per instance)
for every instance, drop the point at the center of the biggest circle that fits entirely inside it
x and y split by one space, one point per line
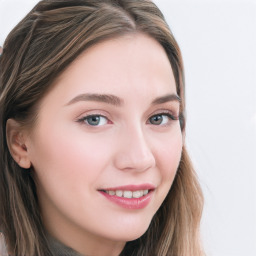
133 152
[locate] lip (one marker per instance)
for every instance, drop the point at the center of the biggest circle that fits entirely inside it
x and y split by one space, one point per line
132 187
130 203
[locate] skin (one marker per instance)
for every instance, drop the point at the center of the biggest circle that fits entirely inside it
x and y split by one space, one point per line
72 159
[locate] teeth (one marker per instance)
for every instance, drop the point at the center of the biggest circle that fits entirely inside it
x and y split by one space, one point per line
145 192
137 194
128 194
119 193
112 193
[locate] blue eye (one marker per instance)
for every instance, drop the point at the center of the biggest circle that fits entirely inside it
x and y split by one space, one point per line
161 119
95 120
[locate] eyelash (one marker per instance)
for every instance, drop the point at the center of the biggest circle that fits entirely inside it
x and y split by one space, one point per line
170 117
164 114
85 119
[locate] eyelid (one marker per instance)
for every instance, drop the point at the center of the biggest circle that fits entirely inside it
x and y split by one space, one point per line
92 113
166 114
170 113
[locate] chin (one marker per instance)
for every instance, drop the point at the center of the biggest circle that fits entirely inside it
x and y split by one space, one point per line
130 233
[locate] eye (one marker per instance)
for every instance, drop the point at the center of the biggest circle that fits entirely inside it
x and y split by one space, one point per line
161 119
94 120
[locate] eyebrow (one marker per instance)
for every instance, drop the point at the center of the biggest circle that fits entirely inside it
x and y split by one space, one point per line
166 98
116 101
106 98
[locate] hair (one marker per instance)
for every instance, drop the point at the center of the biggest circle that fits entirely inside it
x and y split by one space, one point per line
51 36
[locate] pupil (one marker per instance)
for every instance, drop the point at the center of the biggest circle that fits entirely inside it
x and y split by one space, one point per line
156 119
94 120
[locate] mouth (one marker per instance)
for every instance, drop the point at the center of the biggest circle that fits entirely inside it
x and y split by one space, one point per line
127 193
129 197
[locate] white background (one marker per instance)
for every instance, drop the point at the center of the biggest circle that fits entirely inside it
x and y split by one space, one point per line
218 42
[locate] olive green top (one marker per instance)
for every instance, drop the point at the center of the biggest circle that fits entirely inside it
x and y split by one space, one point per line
59 249
56 248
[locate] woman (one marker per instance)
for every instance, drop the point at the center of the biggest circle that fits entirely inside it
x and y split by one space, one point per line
93 160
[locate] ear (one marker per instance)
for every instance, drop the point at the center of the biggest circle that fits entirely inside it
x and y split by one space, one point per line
16 141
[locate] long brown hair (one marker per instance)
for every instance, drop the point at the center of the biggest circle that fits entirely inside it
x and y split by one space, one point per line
35 53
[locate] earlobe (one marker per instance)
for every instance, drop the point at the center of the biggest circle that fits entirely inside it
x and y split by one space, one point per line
16 141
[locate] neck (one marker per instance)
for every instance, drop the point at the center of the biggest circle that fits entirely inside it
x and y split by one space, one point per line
80 240
59 249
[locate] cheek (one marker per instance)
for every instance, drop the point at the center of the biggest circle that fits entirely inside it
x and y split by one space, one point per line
68 168
68 158
168 152
168 159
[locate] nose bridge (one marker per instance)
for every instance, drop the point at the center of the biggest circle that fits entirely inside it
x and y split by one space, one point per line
134 151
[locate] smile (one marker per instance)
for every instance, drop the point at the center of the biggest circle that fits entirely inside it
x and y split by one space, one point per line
127 193
130 197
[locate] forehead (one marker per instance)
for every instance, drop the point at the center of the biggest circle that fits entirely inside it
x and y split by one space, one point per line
134 63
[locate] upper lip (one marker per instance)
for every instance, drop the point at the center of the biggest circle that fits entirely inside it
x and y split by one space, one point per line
131 187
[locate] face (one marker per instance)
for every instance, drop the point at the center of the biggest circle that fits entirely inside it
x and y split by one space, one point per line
107 144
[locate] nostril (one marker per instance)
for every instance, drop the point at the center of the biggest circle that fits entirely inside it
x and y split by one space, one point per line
133 152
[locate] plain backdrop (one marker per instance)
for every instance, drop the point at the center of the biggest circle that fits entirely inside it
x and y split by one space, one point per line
218 42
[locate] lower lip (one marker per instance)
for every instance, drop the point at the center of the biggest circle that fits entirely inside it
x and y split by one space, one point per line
130 203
